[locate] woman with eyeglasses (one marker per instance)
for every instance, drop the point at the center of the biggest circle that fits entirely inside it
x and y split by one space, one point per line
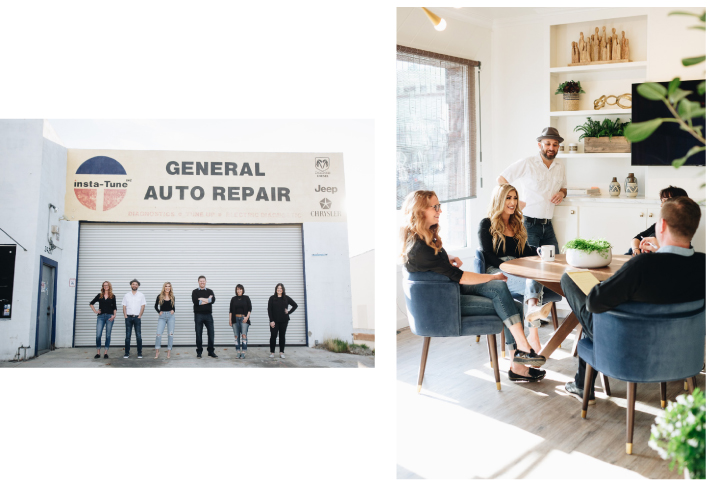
422 250
645 241
106 314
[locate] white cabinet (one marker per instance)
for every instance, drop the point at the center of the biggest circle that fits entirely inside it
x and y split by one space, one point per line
564 221
618 225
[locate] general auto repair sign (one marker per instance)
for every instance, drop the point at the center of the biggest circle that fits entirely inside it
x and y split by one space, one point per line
207 187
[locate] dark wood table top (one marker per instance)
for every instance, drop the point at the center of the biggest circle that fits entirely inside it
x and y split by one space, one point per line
534 268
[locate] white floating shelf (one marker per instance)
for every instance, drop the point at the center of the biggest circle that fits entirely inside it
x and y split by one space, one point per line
619 66
592 112
593 155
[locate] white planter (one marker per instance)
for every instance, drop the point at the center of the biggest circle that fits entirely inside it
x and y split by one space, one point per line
580 259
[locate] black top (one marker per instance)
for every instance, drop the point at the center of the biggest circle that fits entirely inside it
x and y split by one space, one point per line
165 307
240 305
199 293
105 305
650 232
492 256
422 258
277 308
652 278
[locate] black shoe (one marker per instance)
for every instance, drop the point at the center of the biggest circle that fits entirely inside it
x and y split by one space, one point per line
199 356
528 358
544 322
574 391
531 378
537 373
105 356
97 356
212 354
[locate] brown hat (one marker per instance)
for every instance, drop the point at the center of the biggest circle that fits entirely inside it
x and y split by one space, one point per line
551 132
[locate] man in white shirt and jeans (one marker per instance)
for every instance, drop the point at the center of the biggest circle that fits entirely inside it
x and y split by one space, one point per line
133 306
541 183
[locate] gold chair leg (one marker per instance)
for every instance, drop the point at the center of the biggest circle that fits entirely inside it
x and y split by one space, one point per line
422 364
663 395
587 388
630 405
478 338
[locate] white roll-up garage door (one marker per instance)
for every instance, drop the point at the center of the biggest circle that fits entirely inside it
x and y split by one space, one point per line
258 257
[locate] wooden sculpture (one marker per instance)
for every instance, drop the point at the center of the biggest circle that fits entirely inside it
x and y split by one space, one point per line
600 49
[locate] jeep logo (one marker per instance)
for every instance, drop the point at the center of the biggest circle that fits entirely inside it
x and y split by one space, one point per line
330 190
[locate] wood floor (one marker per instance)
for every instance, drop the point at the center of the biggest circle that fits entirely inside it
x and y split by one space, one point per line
459 426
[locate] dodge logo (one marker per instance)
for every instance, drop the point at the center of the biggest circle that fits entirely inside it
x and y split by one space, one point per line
325 204
322 164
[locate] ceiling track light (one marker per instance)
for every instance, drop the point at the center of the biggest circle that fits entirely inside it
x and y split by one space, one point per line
439 23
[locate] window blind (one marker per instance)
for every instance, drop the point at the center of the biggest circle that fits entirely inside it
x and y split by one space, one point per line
436 124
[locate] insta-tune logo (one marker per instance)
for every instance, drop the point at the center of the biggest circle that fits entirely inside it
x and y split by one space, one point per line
105 185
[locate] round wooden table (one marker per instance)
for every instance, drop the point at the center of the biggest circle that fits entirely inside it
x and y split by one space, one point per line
549 275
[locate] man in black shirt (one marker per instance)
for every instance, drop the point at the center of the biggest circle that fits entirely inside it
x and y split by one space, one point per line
202 300
675 273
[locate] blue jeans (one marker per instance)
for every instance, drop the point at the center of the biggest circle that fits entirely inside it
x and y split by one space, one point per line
168 319
521 286
241 327
130 323
541 234
507 309
103 320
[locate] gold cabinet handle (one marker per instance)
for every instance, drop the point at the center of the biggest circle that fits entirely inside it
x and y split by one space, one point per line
650 214
572 211
641 215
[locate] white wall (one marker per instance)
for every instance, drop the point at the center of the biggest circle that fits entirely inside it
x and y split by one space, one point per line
362 276
34 164
328 285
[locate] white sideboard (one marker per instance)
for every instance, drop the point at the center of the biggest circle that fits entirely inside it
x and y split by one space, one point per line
616 219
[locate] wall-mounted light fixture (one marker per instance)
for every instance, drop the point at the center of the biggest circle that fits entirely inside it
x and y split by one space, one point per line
439 23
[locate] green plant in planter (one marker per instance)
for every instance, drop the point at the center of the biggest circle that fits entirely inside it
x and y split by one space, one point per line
679 434
569 87
588 246
592 128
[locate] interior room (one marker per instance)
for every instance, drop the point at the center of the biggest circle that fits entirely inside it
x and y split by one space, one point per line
510 62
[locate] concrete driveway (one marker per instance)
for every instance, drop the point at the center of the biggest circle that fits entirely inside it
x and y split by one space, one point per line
185 357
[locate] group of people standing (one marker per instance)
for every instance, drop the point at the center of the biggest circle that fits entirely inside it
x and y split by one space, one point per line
514 229
280 307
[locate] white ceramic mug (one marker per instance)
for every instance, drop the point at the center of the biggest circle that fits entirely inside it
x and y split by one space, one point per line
546 253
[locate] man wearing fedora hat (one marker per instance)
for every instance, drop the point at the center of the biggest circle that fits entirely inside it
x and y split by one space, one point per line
541 182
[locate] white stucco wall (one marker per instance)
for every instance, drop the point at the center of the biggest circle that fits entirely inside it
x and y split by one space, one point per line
327 281
362 274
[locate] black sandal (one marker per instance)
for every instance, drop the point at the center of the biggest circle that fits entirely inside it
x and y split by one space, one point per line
528 358
531 378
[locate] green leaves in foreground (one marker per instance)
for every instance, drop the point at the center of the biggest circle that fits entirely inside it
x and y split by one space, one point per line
679 162
652 91
640 131
691 61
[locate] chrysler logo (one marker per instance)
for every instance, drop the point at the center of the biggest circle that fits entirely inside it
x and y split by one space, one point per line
325 204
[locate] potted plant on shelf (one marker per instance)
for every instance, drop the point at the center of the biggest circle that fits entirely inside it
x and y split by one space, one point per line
570 91
604 137
588 253
679 434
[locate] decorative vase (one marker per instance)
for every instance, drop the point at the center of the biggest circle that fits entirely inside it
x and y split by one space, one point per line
580 259
570 101
614 188
631 186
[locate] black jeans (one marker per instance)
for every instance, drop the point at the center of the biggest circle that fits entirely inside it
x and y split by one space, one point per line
578 302
130 323
206 320
279 329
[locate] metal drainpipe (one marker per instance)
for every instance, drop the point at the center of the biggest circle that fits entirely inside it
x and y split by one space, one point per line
17 355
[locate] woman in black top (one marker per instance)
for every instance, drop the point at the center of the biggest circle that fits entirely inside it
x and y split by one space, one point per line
279 317
165 306
106 316
648 237
239 312
422 250
502 236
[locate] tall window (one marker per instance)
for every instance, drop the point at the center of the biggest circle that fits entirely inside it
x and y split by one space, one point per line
436 133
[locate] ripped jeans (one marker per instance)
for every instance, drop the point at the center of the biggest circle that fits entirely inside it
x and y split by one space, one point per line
241 327
169 319
521 286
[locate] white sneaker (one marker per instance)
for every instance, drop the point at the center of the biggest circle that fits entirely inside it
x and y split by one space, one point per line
283 356
271 355
538 311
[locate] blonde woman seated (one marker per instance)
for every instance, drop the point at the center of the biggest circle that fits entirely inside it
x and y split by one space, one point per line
503 237
423 251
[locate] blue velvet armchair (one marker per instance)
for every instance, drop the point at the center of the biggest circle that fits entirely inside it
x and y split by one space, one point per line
433 310
643 342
